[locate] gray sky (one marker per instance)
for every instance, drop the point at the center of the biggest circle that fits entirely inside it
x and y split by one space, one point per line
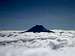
23 14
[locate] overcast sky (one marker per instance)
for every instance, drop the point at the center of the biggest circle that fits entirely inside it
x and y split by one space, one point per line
23 14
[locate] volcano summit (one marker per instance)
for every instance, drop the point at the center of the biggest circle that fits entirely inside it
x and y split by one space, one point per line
38 28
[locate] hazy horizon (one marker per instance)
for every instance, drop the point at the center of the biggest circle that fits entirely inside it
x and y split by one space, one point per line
24 14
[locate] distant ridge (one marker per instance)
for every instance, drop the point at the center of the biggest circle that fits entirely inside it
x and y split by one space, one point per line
38 28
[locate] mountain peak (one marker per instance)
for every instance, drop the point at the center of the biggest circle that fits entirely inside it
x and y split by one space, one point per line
38 28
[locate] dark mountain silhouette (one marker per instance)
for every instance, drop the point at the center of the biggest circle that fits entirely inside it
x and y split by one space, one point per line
38 28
